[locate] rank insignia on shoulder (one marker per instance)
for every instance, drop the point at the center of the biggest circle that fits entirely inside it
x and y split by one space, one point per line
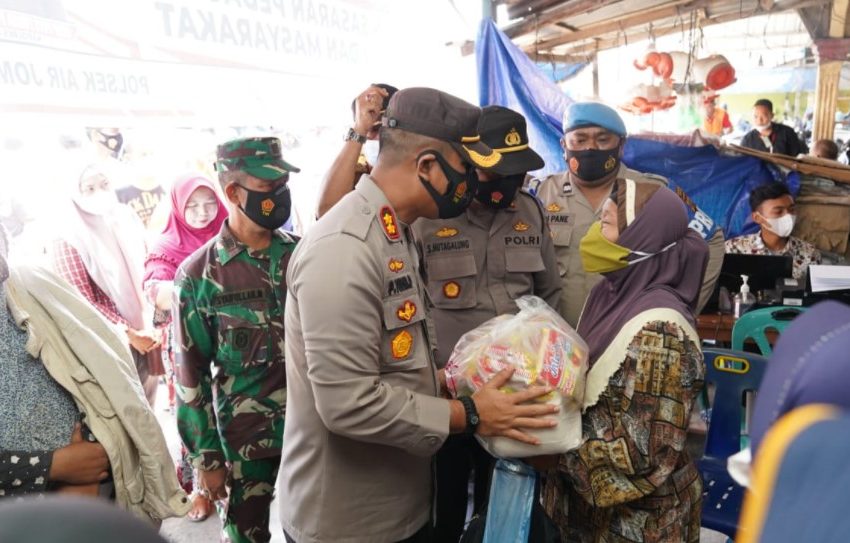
568 188
553 208
395 265
389 223
521 226
446 232
401 344
406 311
451 290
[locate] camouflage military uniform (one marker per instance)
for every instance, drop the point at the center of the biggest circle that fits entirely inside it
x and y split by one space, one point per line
230 313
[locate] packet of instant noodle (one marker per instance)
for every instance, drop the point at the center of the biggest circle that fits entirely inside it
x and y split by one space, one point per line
544 350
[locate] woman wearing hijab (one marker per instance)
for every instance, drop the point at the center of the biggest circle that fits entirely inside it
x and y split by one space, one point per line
809 365
196 217
632 479
101 252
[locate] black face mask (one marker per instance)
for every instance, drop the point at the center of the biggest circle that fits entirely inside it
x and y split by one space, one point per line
268 209
593 164
462 186
499 193
113 142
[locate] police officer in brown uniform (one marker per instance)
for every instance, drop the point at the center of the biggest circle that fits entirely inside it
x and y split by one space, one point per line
364 416
594 136
475 266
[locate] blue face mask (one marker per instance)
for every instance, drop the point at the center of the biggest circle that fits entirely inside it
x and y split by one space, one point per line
462 186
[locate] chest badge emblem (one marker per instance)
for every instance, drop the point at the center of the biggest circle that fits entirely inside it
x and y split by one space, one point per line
401 344
407 311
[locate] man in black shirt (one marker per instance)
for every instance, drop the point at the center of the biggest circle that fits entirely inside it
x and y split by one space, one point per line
771 137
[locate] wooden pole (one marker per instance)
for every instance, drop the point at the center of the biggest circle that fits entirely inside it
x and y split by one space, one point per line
826 99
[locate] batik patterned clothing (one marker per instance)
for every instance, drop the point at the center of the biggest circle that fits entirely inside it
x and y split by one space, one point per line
37 415
632 480
803 252
229 302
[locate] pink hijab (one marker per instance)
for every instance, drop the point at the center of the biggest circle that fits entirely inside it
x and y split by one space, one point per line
179 240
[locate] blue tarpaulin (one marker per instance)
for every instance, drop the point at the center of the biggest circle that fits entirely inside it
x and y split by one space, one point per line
719 185
507 77
560 71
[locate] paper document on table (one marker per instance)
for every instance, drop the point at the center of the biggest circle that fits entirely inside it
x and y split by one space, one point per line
824 278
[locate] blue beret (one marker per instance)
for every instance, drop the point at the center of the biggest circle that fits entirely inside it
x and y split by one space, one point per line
583 114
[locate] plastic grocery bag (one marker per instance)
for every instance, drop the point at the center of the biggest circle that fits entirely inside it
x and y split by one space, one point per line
545 350
511 499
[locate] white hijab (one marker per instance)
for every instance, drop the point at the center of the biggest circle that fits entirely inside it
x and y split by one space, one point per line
111 244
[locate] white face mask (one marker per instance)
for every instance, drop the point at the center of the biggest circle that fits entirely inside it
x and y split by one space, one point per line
783 226
761 127
99 203
370 151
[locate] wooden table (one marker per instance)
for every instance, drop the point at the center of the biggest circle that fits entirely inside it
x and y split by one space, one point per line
716 327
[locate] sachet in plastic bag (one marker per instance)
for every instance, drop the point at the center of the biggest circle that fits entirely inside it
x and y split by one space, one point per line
545 350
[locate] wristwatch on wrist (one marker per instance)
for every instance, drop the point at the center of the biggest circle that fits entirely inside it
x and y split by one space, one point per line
354 136
472 418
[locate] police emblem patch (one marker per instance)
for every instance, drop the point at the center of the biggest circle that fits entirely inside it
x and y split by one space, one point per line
267 206
446 232
406 311
521 226
395 265
451 290
401 344
513 138
389 223
553 208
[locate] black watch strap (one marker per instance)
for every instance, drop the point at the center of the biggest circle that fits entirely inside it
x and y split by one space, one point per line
472 418
354 136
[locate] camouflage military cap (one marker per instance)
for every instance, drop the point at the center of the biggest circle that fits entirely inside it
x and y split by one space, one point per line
260 157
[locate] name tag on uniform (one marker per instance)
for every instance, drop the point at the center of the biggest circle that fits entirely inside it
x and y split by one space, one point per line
239 297
441 246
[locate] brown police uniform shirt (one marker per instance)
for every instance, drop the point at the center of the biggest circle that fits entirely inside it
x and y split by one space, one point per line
569 216
477 264
362 419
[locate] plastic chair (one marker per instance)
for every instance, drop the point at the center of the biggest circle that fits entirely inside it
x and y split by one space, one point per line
733 374
755 324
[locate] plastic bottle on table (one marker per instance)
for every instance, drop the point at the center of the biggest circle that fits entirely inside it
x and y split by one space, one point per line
747 297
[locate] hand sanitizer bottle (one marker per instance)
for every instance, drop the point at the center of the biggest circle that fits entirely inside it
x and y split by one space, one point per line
747 298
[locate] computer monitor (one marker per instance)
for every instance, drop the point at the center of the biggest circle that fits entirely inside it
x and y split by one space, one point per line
762 271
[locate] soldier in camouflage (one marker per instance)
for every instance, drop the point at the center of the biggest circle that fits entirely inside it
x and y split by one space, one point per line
229 300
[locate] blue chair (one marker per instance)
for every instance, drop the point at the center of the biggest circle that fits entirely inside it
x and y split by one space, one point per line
755 324
733 374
